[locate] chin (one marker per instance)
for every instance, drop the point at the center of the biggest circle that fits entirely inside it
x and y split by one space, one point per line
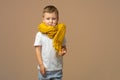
51 25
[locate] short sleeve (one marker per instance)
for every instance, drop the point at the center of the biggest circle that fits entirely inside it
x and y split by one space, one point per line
64 42
38 39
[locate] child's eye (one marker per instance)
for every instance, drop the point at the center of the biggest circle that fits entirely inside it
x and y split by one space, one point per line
47 18
53 18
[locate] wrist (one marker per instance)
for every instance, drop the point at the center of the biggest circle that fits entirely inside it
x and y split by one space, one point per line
41 64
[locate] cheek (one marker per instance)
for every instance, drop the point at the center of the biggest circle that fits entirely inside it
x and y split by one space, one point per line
55 21
45 21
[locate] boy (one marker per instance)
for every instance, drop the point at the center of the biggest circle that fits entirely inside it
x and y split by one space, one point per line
50 45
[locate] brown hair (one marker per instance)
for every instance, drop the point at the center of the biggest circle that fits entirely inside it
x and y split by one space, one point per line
51 9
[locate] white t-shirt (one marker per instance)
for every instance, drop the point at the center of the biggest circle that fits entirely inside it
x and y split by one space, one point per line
51 61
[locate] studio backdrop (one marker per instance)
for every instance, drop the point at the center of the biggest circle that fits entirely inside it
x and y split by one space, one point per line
93 38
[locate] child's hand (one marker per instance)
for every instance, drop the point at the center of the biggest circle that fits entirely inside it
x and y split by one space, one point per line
42 70
63 52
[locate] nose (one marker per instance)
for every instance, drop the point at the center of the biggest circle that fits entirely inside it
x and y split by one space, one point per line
51 20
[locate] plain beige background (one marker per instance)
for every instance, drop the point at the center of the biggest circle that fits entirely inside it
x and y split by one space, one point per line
93 38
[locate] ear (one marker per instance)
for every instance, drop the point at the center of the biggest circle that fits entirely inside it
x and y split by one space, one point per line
58 18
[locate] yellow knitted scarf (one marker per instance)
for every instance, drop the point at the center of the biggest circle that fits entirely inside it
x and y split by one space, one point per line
56 33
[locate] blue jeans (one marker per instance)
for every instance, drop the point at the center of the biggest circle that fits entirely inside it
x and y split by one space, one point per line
50 75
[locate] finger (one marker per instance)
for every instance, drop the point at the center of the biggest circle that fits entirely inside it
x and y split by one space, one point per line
63 54
43 71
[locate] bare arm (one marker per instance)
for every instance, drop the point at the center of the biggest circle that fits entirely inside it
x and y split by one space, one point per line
38 55
39 59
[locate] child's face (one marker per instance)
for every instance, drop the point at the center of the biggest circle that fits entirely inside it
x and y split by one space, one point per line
51 19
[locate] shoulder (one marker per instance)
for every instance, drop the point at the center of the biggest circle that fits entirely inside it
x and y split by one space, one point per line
38 34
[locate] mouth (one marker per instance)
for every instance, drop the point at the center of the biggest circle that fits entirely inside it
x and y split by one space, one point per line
51 24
